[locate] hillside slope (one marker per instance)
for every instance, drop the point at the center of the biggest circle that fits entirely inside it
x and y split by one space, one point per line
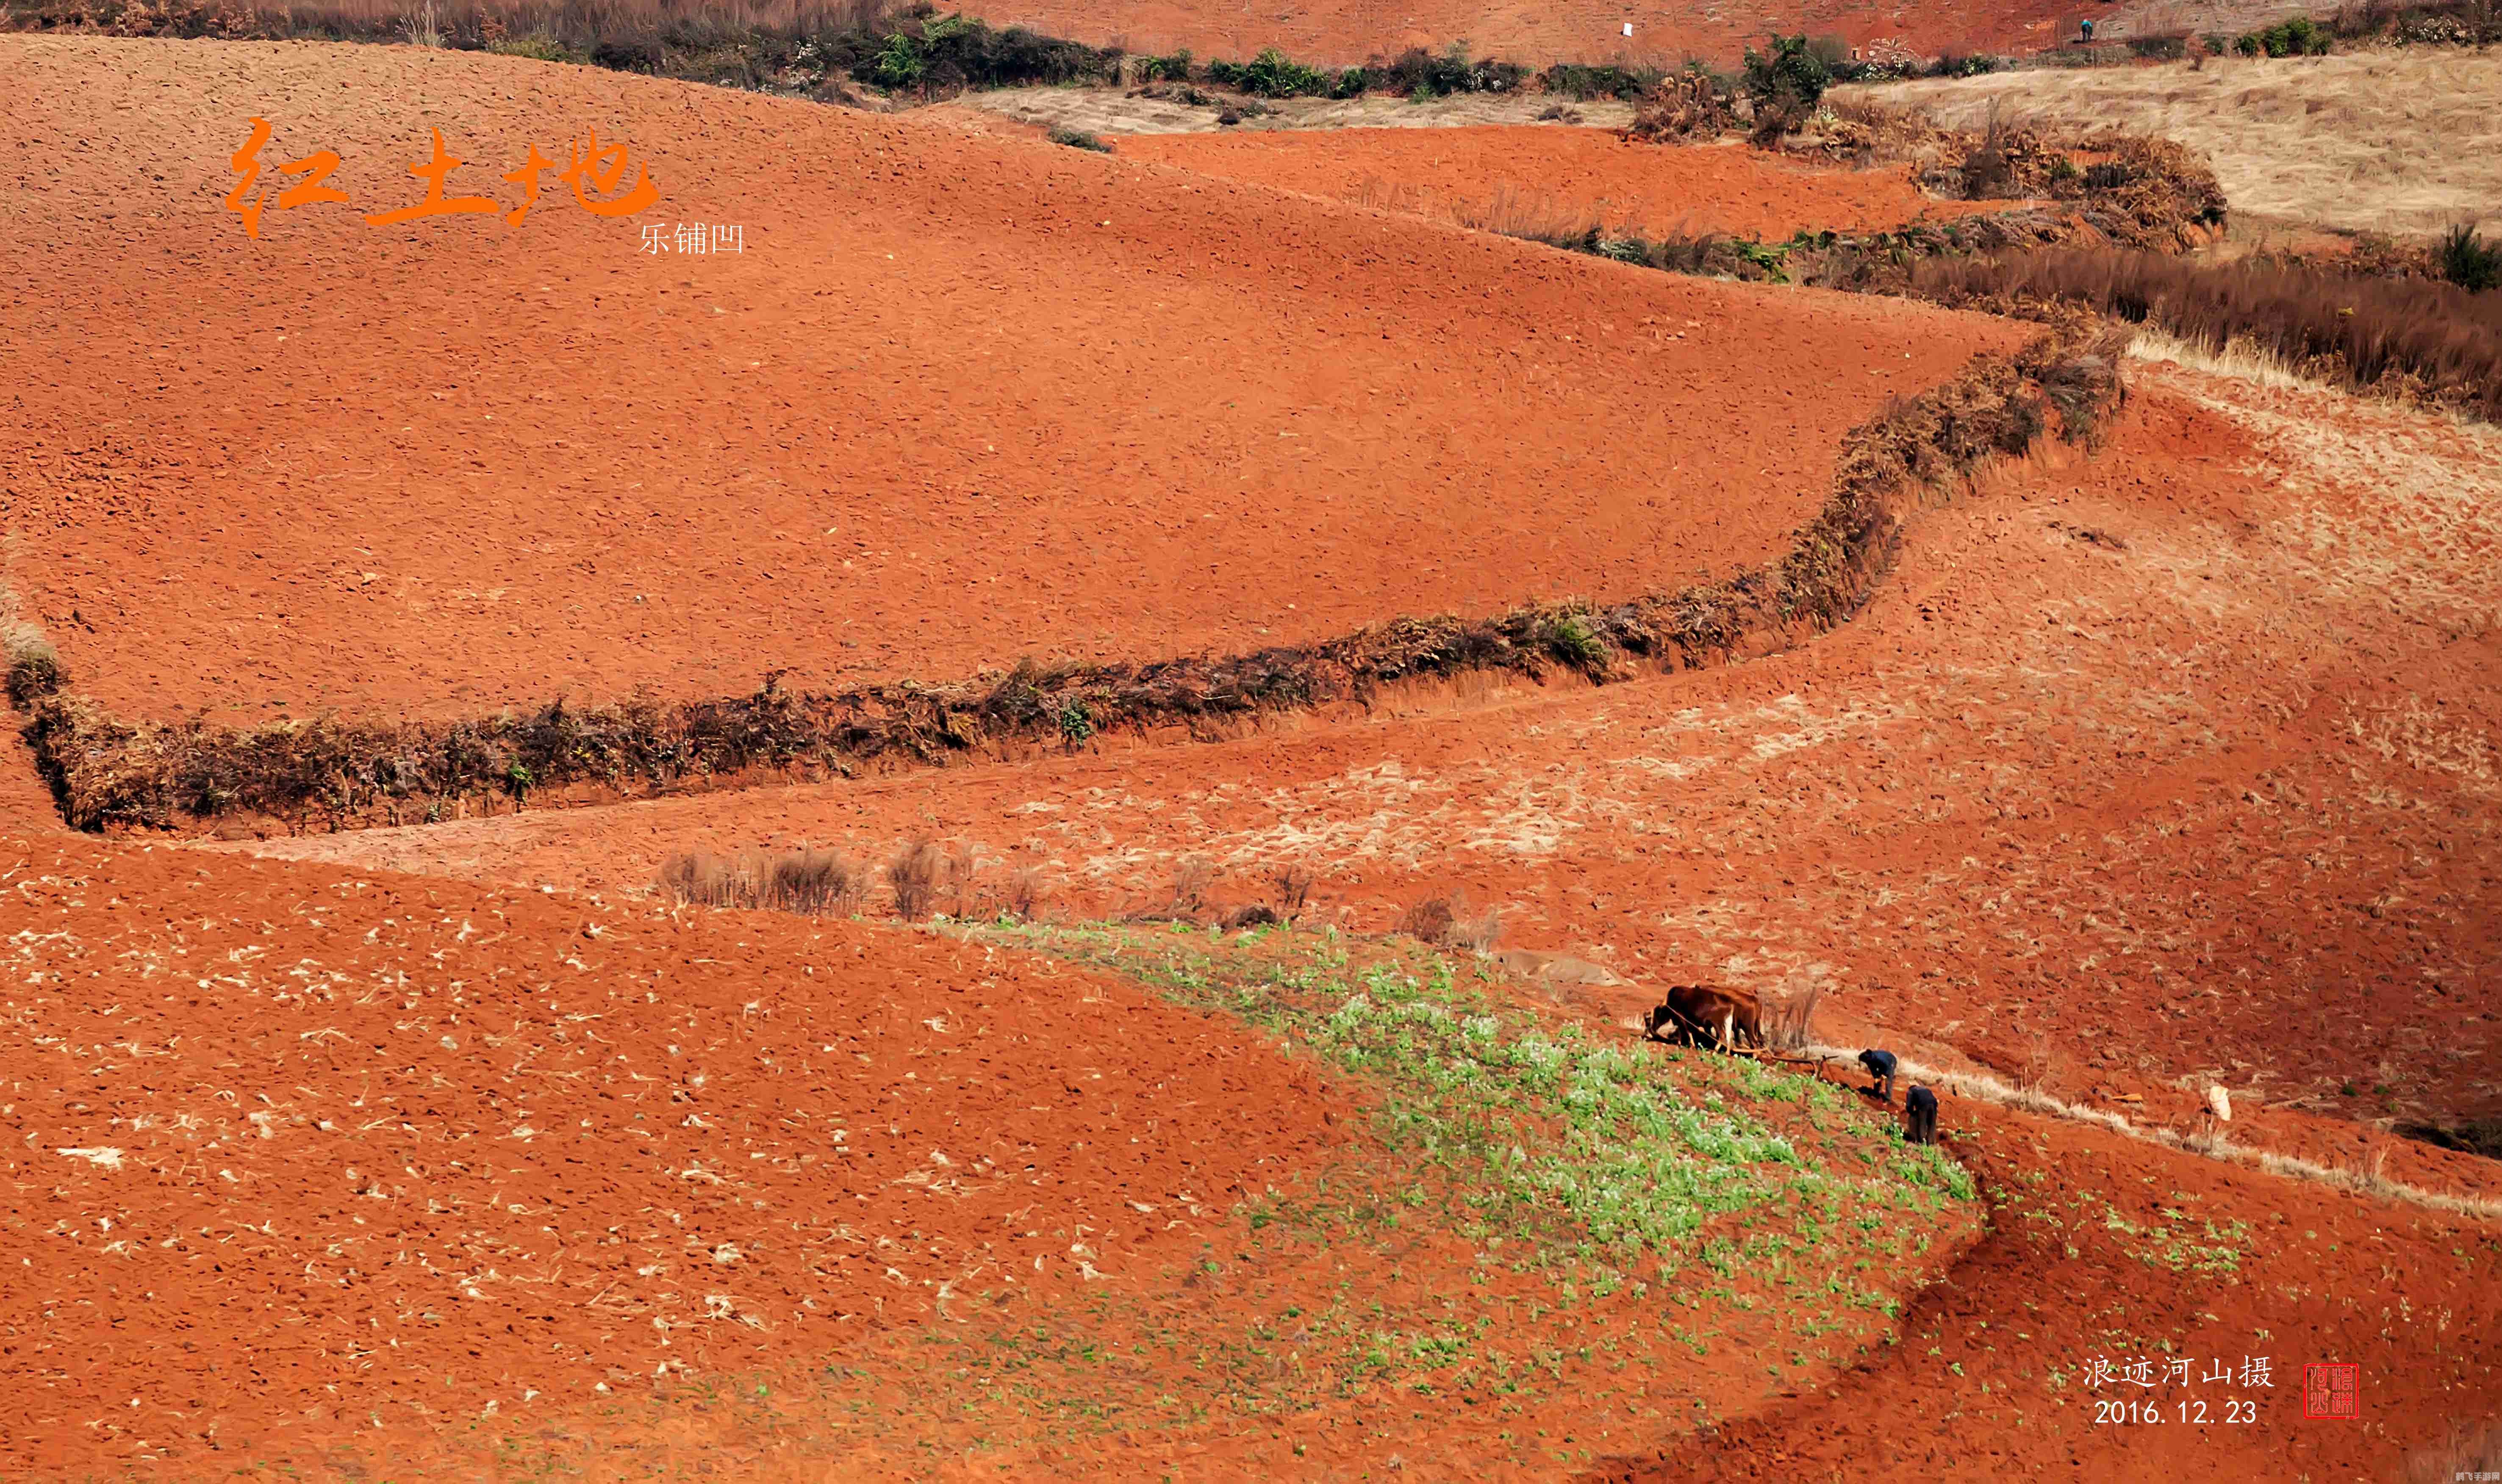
960 400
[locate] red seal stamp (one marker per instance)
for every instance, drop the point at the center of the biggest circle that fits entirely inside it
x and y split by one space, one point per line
2332 1390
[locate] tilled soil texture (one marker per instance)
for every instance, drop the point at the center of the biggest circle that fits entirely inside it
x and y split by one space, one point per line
1664 35
960 400
2172 762
2105 1255
1521 176
294 1155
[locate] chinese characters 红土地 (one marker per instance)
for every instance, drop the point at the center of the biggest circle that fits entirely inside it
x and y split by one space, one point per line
595 173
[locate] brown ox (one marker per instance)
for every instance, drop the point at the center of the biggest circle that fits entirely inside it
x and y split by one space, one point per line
1706 1016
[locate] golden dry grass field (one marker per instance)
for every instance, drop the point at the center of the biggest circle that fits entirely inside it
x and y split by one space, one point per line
2401 141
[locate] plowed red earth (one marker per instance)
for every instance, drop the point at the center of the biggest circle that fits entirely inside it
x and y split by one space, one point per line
1652 188
2166 767
1995 1375
2180 757
960 400
293 1156
1665 35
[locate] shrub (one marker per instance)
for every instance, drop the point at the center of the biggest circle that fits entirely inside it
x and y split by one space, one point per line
1272 75
1585 84
914 876
1427 922
1079 139
2297 37
1438 920
1789 1017
1292 886
1193 875
1569 638
816 881
1353 82
1695 102
923 50
811 881
2469 260
1421 73
1027 892
1790 77
34 666
1175 68
1952 65
538 49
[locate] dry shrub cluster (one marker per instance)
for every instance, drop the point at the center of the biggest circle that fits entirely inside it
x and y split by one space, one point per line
2421 340
1789 1015
33 666
1687 104
919 878
915 876
1443 922
112 772
2132 189
816 883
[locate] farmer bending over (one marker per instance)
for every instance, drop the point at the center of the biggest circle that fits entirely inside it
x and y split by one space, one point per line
1920 1115
1881 1066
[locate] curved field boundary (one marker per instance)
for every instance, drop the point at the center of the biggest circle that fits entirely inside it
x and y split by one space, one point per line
109 772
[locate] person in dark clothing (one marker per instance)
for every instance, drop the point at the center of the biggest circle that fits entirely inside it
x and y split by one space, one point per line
1881 1067
1920 1115
2087 24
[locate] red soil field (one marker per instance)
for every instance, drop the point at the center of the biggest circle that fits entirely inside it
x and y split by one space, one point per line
2178 756
1649 187
2070 1271
295 1154
2068 1276
960 401
2164 764
1348 31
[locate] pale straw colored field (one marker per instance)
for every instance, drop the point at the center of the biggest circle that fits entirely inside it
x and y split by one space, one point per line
2394 140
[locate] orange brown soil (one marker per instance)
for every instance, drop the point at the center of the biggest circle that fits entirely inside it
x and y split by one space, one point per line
2180 757
2104 1249
1650 189
1348 31
2098 1248
2171 765
296 1155
961 400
